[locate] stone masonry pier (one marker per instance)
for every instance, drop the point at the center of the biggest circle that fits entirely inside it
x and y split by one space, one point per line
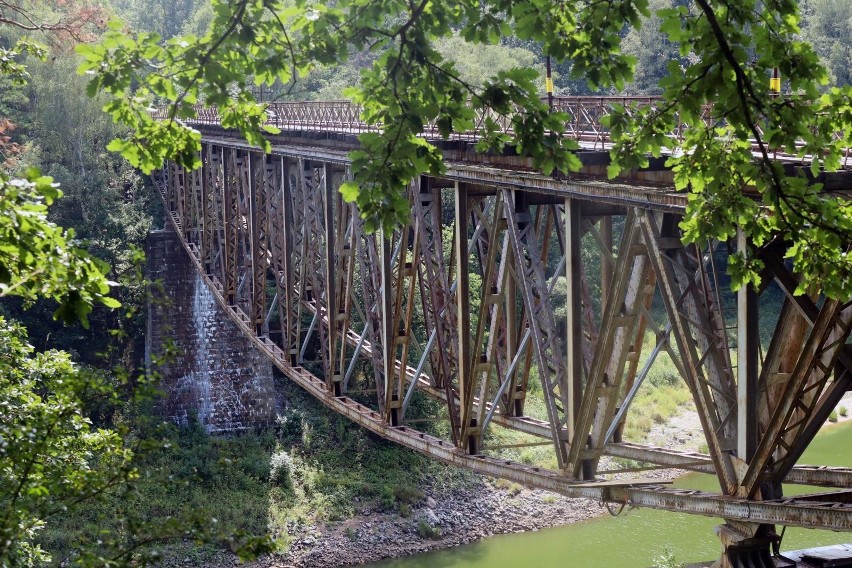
216 374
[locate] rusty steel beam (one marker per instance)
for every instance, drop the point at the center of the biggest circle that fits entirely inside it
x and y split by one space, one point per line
259 189
437 301
618 193
800 396
540 318
231 224
711 422
470 437
621 311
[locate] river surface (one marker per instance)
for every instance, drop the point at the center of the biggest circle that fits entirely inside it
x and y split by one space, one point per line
635 538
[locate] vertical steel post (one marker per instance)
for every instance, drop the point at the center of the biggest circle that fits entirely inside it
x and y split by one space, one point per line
468 438
385 306
606 259
574 309
748 343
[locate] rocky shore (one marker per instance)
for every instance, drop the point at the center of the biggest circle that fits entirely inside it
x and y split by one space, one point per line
438 521
444 519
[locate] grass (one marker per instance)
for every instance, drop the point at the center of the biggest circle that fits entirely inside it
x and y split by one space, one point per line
308 472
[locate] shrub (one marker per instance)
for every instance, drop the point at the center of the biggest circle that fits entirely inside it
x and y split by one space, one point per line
407 494
425 530
832 417
404 510
281 469
290 427
387 496
667 560
527 456
842 411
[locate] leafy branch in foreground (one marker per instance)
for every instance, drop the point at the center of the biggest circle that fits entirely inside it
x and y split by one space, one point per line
39 259
727 51
735 125
50 455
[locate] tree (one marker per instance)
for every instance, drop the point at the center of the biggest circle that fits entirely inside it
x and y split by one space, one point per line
51 457
39 259
652 50
826 24
728 50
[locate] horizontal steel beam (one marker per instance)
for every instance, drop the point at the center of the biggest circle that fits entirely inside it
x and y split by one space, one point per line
624 193
816 475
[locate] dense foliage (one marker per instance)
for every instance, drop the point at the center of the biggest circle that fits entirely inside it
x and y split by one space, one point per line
51 457
725 53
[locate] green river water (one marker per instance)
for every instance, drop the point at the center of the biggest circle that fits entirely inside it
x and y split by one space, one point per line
637 537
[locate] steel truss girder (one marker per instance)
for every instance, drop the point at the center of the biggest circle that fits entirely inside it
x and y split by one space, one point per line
616 331
489 354
280 245
540 318
808 511
801 394
230 225
400 286
240 244
438 302
373 288
671 291
341 268
245 245
260 191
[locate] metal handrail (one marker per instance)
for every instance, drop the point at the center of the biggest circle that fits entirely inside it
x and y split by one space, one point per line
585 123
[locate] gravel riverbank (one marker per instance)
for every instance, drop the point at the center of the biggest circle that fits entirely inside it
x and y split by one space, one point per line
459 517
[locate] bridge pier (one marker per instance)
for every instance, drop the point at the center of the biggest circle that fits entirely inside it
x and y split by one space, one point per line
746 545
216 376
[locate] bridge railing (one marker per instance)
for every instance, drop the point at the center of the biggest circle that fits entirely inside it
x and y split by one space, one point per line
585 123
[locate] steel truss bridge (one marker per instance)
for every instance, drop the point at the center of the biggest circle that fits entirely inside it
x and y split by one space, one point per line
486 290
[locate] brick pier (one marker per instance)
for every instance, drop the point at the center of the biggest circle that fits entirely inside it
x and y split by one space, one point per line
216 375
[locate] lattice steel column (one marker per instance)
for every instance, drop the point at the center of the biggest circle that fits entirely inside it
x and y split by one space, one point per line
212 179
341 245
259 196
616 333
673 294
231 211
403 292
489 345
438 303
551 364
280 244
371 282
